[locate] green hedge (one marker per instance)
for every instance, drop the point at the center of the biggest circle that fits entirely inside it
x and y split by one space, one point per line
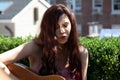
7 43
104 55
104 58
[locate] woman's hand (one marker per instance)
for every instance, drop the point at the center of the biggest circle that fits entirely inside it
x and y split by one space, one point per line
4 68
5 73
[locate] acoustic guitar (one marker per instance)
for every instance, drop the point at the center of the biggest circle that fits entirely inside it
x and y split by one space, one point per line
25 74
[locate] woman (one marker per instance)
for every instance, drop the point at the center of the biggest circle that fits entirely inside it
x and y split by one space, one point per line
56 50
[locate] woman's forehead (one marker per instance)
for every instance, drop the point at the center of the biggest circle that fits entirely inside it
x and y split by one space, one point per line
63 18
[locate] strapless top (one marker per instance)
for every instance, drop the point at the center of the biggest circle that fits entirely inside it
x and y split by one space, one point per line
66 74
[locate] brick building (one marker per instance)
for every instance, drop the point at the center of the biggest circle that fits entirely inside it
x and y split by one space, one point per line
93 15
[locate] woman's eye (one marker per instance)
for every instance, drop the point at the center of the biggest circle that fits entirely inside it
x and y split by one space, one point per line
65 25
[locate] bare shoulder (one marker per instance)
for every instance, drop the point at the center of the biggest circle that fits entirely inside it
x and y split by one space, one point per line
32 44
31 47
83 51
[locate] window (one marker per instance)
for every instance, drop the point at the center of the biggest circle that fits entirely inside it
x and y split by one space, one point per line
116 6
116 26
79 29
98 3
5 5
97 6
94 28
35 15
74 5
77 6
51 1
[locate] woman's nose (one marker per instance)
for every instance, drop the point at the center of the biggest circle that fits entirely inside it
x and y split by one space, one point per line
62 30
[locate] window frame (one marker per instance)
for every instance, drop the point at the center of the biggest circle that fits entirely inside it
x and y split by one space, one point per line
113 10
97 9
72 5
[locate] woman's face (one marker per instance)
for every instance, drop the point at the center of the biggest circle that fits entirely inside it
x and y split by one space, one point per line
63 29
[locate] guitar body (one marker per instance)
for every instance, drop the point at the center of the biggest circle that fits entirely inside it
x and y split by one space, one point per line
25 74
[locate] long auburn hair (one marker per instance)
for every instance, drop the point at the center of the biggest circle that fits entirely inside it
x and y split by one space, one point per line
47 42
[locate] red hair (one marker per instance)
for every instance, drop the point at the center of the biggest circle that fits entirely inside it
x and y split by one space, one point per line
47 42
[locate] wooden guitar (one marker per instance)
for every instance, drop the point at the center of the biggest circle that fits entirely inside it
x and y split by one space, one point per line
25 74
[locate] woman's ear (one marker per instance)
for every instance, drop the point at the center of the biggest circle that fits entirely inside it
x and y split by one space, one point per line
55 38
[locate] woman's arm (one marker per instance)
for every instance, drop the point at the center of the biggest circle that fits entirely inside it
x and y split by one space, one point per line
17 53
12 56
84 62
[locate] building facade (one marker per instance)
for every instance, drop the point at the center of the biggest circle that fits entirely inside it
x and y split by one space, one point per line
21 18
93 15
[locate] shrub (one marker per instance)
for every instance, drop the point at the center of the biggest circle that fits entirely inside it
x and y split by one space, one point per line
104 55
7 43
104 58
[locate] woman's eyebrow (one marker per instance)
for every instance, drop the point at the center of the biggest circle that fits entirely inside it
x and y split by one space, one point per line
66 23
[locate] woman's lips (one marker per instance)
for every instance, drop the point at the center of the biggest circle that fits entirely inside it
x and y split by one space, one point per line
63 37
